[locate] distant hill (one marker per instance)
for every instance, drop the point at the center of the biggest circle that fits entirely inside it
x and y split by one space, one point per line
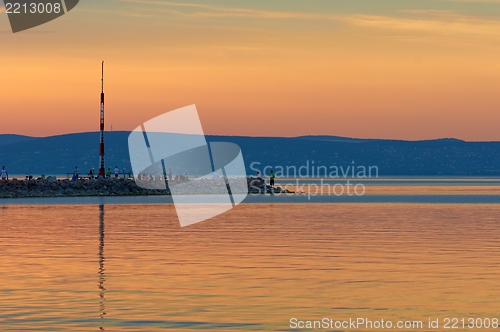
365 140
13 138
333 139
441 157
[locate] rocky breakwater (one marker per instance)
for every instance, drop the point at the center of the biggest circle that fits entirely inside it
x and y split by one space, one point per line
51 187
258 185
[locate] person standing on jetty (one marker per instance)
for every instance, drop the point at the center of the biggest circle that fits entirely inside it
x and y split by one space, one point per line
117 171
108 172
76 173
271 179
5 175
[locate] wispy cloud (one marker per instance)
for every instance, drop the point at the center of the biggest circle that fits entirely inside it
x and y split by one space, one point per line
173 4
125 13
206 10
413 23
432 12
445 23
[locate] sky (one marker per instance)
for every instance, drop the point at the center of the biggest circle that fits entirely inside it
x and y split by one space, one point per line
413 69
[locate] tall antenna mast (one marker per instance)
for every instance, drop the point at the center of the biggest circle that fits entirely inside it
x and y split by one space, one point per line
102 78
101 128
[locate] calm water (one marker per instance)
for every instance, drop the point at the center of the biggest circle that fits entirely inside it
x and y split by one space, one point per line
132 268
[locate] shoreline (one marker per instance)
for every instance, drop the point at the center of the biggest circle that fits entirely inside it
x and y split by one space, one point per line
120 187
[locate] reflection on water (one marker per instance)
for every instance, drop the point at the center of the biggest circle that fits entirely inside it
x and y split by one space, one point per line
252 268
396 186
102 276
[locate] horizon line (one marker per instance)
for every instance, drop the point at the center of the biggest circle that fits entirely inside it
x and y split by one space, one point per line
289 137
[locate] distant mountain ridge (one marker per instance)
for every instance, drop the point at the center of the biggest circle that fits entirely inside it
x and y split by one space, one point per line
333 139
13 138
440 157
362 140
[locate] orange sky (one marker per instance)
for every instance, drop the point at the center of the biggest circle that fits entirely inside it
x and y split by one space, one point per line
382 69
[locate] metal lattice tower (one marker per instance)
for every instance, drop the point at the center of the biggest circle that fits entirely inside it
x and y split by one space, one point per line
101 147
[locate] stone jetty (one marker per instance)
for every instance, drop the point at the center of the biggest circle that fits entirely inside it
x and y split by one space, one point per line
52 187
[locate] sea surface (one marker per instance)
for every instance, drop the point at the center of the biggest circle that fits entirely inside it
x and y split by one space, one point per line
411 252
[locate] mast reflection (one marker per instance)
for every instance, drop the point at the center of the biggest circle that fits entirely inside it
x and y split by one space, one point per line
102 275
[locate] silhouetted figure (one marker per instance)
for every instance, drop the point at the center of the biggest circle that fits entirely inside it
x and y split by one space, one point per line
76 173
5 174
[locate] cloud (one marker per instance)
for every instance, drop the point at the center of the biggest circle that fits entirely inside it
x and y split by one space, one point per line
432 12
173 4
444 24
207 10
130 13
409 24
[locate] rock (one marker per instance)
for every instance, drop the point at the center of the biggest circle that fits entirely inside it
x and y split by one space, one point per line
51 187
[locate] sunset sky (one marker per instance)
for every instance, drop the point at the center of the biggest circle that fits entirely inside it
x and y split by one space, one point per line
414 69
